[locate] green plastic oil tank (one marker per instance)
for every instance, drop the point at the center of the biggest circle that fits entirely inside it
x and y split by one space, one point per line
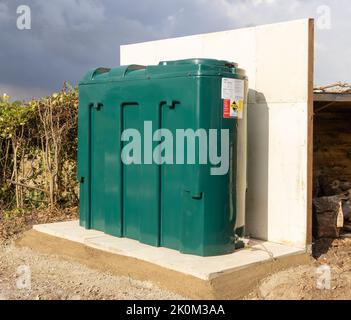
158 153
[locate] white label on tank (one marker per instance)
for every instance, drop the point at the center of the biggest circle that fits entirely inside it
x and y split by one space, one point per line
227 88
233 94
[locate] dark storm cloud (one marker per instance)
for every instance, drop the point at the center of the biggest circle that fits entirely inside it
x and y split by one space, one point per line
68 37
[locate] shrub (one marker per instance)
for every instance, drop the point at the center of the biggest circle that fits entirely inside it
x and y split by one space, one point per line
38 144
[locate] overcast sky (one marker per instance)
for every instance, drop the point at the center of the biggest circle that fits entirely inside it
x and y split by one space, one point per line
68 37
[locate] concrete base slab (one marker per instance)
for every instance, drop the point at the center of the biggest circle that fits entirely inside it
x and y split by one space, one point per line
225 277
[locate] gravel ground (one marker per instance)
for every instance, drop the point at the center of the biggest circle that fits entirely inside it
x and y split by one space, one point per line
52 277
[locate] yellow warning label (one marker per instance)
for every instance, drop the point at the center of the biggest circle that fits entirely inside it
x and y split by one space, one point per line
234 106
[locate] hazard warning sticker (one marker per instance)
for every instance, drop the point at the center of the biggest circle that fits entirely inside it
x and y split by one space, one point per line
233 98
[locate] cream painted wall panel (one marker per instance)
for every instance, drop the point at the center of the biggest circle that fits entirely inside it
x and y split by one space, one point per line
282 61
277 157
287 171
154 51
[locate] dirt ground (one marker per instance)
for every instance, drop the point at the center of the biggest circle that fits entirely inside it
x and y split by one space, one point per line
14 225
300 283
53 277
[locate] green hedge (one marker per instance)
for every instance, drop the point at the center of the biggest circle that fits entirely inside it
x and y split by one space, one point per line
38 147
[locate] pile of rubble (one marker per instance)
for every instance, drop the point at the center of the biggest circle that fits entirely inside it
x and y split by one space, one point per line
331 208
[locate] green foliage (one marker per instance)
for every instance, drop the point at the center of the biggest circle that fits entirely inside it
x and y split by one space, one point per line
38 144
13 116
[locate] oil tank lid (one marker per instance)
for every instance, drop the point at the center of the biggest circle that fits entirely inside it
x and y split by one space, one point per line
204 61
